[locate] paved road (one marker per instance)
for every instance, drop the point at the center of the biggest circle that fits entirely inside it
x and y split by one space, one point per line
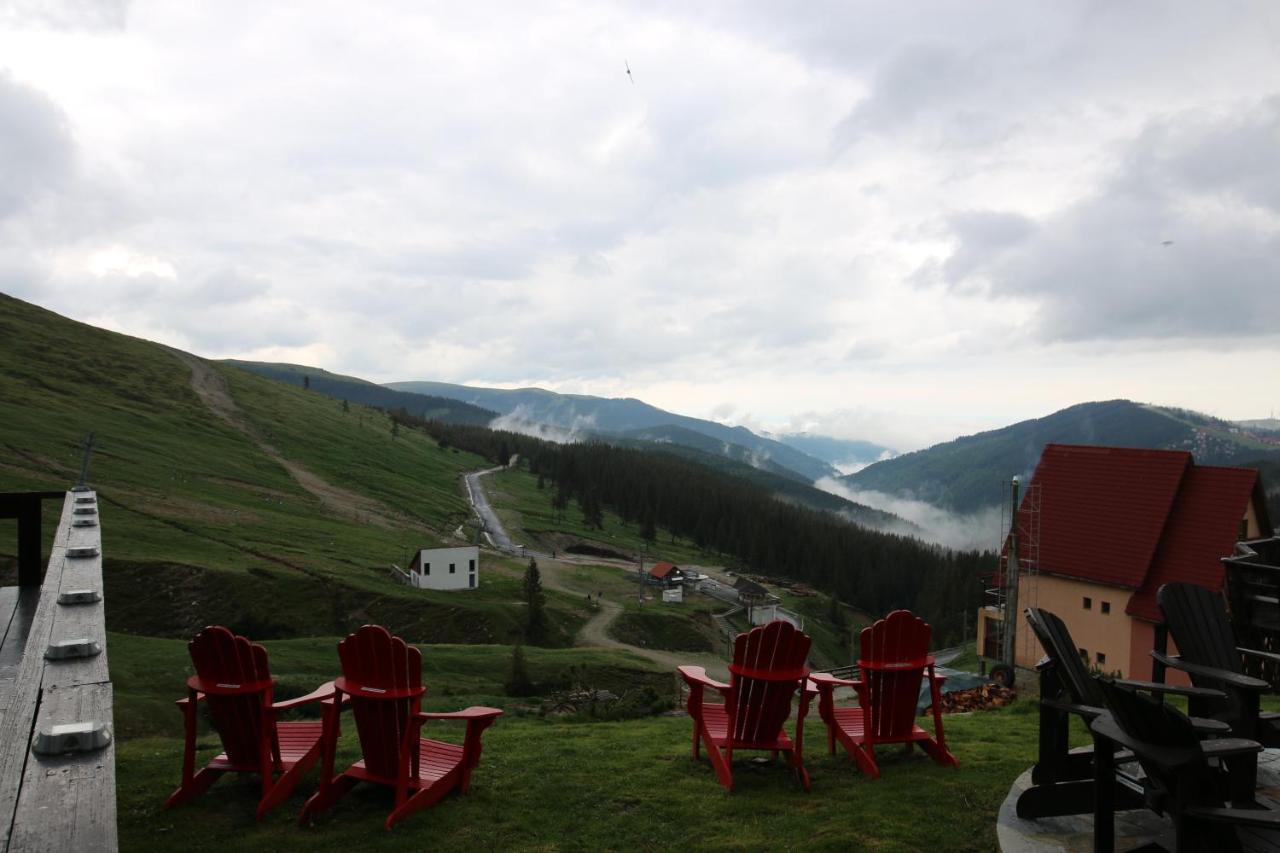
493 527
595 632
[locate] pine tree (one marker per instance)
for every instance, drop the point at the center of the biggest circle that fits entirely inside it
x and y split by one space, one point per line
346 407
648 530
306 383
518 682
592 515
535 618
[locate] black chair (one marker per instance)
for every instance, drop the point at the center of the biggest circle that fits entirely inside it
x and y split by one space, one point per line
1181 781
1207 652
1063 779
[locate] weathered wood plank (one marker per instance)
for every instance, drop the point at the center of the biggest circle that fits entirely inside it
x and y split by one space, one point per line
81 620
17 722
68 802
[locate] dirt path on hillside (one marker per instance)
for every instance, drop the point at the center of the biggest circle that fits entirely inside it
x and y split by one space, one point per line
211 387
595 632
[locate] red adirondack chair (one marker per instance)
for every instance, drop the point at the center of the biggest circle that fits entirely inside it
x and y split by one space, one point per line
769 667
233 680
382 684
895 657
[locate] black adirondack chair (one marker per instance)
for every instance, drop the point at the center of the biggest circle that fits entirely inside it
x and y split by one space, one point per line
1197 620
1181 780
1063 779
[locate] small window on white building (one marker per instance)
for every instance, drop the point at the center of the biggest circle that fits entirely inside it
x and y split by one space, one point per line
426 568
1102 658
1088 603
453 568
1106 607
471 567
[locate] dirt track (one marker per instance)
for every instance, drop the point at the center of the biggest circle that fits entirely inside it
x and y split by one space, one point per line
211 387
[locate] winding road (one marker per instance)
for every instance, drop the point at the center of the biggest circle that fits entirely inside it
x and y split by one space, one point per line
595 632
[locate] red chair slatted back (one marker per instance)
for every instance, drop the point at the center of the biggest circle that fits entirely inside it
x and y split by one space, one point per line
893 657
223 658
374 659
769 664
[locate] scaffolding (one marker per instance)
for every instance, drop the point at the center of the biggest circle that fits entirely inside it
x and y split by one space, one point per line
1015 583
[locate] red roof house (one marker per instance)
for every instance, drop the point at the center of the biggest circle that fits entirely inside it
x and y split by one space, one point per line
1101 528
665 574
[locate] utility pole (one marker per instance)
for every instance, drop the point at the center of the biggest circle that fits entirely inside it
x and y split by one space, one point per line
1009 650
82 485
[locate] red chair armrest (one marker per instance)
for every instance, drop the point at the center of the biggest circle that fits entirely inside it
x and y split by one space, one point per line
321 693
475 712
696 676
825 680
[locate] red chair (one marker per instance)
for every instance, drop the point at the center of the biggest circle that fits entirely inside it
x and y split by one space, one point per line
895 658
769 668
382 684
232 679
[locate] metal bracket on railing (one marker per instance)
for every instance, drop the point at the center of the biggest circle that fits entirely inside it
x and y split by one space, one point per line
81 647
79 596
72 737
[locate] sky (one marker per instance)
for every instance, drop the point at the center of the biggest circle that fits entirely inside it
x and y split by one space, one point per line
883 221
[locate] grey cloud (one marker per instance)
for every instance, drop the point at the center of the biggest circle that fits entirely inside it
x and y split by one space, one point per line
36 151
1169 248
65 14
981 233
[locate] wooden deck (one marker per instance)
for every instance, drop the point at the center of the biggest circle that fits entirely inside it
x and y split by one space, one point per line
68 801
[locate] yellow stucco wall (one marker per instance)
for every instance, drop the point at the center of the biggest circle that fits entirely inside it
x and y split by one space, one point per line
1251 519
1093 630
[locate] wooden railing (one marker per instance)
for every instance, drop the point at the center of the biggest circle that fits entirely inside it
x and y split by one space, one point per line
57 757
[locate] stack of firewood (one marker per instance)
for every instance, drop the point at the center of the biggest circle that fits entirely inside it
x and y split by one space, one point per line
977 699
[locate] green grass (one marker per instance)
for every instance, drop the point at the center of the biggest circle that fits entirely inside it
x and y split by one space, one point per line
549 785
526 511
657 626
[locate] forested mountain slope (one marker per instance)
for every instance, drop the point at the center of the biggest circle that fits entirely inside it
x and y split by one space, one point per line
582 413
965 475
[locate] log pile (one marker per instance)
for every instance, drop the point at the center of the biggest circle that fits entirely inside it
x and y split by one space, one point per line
977 699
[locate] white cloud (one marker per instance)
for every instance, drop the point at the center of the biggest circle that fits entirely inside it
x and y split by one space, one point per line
980 530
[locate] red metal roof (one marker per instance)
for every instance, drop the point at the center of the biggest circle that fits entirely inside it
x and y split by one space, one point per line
1202 528
1102 510
661 570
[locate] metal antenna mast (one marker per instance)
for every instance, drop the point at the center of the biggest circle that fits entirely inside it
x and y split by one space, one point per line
82 485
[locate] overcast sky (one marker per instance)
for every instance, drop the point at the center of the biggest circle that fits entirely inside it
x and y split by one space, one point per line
892 221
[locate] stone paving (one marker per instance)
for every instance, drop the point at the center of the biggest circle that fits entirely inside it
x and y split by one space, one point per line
1074 834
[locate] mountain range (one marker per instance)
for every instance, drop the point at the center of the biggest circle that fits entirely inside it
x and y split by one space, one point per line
579 413
967 474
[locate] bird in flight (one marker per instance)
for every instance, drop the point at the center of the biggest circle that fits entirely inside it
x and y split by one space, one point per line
1166 243
629 77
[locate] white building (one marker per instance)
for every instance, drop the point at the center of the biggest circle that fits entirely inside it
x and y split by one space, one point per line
446 568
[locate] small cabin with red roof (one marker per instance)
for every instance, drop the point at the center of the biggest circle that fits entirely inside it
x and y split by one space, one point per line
1111 526
665 575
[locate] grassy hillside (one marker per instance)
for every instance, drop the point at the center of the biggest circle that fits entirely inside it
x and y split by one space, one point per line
355 390
526 512
965 474
202 525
